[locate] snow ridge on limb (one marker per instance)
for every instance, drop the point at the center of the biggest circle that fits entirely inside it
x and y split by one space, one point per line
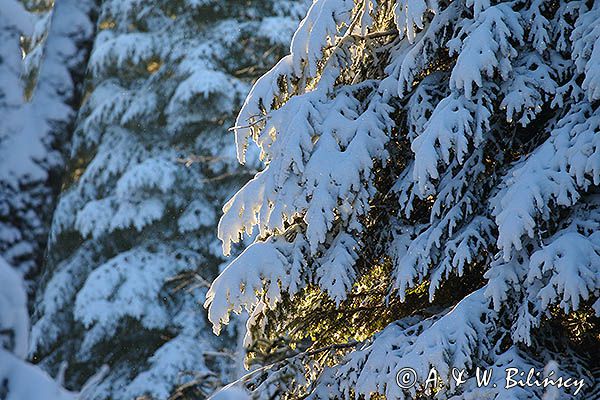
586 52
564 272
567 162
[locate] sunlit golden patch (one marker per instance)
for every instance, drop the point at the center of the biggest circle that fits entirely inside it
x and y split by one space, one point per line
153 66
77 174
273 134
30 83
75 170
579 324
106 24
85 96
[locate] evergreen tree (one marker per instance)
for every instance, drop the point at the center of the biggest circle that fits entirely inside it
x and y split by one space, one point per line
429 199
14 22
41 55
38 79
132 246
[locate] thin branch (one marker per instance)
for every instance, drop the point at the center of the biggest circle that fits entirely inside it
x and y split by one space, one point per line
227 175
250 124
307 353
220 354
369 36
376 35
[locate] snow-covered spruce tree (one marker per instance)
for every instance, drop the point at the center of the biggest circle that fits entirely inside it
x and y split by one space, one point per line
429 200
41 55
14 22
133 244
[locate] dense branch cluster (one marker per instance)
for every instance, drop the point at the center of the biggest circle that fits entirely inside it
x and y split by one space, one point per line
444 145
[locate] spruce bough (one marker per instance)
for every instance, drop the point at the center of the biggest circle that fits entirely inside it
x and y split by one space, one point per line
429 191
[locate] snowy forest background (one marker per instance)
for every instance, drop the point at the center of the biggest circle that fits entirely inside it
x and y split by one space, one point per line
408 184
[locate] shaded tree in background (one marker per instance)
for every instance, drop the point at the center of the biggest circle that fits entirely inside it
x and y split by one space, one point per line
429 200
132 244
36 107
36 115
